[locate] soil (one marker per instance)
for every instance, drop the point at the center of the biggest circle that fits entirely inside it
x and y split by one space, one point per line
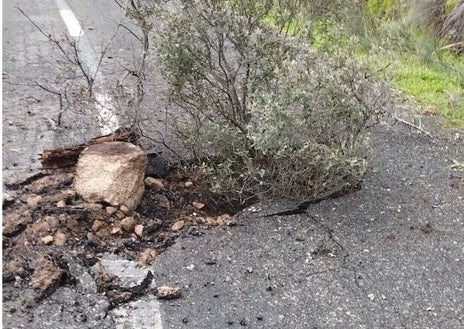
47 228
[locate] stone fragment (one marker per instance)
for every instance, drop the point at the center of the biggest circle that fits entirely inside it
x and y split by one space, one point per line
177 225
165 292
111 210
164 202
138 229
154 183
33 200
115 230
47 239
61 204
125 209
128 224
47 275
59 238
198 205
145 257
98 224
120 215
92 206
111 172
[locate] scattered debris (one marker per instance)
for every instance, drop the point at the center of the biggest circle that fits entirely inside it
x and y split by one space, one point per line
154 183
118 295
138 230
128 224
47 277
47 239
49 215
165 292
145 257
177 226
164 202
111 210
198 205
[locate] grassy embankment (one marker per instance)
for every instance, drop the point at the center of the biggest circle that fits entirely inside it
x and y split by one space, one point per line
419 64
384 36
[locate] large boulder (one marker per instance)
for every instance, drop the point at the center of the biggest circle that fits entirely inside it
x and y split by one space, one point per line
111 172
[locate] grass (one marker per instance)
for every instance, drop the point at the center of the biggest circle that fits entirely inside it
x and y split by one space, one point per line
432 85
433 77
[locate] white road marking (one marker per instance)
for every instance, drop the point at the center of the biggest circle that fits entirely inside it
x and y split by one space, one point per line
140 309
133 315
107 119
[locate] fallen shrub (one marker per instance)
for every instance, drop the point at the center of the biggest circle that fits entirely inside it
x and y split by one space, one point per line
263 114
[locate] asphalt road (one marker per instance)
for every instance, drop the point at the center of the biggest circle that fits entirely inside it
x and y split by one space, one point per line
30 62
391 256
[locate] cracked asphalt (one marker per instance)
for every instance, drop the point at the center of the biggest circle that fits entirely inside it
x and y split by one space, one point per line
391 256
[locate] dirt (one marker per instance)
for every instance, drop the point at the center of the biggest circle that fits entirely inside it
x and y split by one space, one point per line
47 228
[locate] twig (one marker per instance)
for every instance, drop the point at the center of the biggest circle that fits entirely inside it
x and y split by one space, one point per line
412 125
457 44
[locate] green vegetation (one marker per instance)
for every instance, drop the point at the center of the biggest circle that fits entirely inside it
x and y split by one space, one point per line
261 113
405 40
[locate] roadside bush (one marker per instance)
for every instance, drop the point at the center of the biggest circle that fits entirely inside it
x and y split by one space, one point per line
262 113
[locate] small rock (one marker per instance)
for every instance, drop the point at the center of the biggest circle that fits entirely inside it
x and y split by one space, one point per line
98 224
211 221
198 205
165 292
47 239
120 215
111 210
125 209
128 224
61 204
115 230
230 221
154 183
177 225
91 237
92 206
146 257
104 232
138 229
188 183
46 275
60 238
222 219
33 200
164 202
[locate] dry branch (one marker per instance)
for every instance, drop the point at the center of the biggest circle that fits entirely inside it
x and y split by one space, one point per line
68 156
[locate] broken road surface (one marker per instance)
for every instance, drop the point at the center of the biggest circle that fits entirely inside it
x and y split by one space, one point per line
389 256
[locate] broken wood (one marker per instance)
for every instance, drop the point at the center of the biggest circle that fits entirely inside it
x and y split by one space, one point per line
68 156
